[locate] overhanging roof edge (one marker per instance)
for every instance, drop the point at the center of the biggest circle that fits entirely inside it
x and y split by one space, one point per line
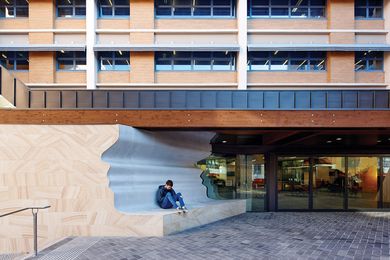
319 47
170 47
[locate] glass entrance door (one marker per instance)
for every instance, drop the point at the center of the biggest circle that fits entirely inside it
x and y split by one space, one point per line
333 183
250 180
329 182
293 183
363 182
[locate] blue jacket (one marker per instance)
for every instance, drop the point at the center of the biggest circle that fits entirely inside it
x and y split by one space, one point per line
162 192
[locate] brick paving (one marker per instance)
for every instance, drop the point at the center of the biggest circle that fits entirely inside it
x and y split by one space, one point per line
281 235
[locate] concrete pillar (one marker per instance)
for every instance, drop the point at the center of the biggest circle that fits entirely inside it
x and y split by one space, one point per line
271 181
242 41
91 15
386 14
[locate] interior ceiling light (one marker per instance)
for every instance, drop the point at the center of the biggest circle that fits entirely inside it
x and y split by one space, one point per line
329 141
379 141
224 141
339 138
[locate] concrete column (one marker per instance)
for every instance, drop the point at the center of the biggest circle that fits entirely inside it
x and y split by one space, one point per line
386 16
242 41
91 15
271 181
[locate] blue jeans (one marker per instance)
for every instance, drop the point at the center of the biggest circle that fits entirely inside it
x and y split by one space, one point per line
170 201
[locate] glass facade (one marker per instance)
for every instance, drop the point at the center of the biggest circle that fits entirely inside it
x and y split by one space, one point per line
13 60
307 183
195 8
287 9
70 8
329 183
286 61
13 8
293 182
368 60
114 60
236 177
199 61
114 8
333 183
368 9
71 60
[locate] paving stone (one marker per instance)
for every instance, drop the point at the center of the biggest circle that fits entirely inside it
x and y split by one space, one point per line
281 235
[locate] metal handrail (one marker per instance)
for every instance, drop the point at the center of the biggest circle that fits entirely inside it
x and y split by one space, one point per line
34 211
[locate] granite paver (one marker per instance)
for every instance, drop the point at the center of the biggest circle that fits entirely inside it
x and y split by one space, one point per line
280 235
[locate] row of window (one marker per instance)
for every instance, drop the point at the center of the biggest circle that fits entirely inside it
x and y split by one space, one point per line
364 9
201 61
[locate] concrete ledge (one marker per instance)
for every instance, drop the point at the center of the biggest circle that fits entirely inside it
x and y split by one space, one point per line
168 221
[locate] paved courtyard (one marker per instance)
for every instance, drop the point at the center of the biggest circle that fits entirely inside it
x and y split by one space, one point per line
328 235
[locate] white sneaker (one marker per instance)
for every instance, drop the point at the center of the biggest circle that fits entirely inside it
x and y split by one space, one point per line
184 209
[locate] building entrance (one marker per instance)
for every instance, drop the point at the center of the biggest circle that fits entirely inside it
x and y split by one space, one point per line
332 183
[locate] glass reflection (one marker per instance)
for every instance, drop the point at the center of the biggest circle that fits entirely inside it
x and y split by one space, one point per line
386 181
328 182
363 182
293 182
235 177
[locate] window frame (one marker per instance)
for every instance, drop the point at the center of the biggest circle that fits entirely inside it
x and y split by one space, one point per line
73 6
289 6
309 57
14 7
367 7
113 7
192 58
74 59
12 55
368 59
212 6
114 58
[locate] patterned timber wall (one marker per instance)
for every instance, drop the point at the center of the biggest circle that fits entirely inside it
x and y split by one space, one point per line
60 166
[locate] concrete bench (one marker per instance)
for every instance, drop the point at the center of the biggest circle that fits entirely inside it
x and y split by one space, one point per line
142 160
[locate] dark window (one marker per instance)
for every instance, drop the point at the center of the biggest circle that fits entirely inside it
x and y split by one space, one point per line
70 8
290 61
114 60
71 60
286 8
13 8
369 9
114 8
368 60
206 61
201 8
13 60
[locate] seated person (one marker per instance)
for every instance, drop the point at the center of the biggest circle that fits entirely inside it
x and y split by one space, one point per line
167 197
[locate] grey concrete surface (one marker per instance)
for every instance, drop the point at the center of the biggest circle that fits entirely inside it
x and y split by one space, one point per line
282 235
142 160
